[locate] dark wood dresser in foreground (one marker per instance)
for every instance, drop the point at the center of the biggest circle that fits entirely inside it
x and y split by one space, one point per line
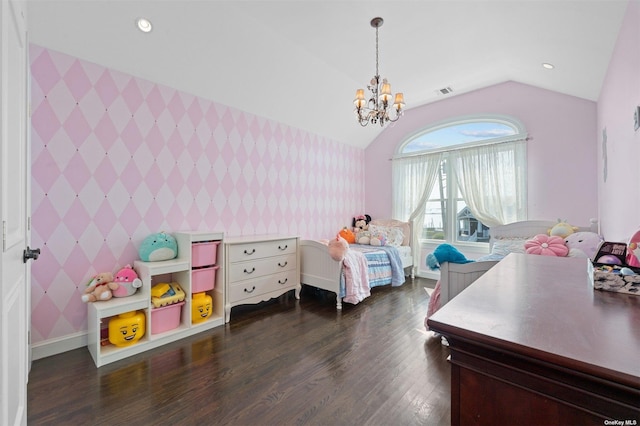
533 343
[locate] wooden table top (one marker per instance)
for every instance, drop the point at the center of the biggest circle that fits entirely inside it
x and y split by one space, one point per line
546 308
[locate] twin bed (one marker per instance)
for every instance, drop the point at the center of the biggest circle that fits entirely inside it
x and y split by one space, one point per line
505 239
385 265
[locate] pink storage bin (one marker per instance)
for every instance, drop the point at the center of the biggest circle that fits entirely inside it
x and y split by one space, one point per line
203 279
204 253
165 318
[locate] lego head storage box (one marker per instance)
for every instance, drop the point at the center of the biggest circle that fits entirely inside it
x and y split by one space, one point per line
200 307
127 328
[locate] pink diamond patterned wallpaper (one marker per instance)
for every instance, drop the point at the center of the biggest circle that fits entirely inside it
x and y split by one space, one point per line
116 158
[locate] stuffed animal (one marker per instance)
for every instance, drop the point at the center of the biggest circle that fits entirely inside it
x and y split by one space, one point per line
338 246
378 239
445 253
633 250
128 282
583 244
100 287
348 235
156 247
361 223
546 245
363 237
562 229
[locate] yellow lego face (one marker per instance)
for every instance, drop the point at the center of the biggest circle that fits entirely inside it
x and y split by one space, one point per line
127 328
200 308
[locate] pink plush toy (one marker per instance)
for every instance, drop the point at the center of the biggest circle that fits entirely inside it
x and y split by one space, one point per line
338 246
546 245
128 282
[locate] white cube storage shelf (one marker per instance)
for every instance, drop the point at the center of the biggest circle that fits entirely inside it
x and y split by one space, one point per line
180 270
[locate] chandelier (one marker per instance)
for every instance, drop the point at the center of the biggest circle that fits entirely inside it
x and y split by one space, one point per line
376 109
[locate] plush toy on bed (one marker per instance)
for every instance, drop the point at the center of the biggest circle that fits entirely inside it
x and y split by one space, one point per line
338 246
546 245
445 253
562 229
361 223
363 237
348 235
378 239
583 244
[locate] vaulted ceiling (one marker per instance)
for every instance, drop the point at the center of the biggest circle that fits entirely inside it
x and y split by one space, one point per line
300 62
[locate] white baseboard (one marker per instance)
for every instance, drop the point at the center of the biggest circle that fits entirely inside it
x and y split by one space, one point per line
57 346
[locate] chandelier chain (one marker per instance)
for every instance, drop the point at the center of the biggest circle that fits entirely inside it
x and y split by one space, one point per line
377 72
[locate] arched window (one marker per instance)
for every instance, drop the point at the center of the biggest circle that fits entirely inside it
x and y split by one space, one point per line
455 179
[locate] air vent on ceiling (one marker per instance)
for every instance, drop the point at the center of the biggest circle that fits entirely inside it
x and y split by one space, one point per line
444 91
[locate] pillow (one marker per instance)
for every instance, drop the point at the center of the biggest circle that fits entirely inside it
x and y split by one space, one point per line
393 223
504 246
546 245
393 235
585 242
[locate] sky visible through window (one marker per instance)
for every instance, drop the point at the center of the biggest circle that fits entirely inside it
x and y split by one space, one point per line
458 134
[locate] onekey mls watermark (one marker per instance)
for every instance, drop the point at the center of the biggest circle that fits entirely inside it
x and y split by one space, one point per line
627 422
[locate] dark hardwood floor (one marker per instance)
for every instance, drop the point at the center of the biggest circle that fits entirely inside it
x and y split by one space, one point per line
282 362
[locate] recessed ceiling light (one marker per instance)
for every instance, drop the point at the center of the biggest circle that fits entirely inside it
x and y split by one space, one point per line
144 25
548 66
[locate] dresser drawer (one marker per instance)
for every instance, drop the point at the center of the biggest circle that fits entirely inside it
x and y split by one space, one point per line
262 285
260 249
240 271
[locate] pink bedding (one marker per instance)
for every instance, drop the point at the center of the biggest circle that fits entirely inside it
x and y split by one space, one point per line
356 277
434 304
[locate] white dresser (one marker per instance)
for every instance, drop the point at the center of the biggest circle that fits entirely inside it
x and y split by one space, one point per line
260 267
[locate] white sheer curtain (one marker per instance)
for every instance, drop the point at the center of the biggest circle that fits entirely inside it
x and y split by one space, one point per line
492 181
413 179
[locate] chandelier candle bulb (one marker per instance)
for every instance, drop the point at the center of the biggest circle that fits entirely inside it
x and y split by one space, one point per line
398 103
359 100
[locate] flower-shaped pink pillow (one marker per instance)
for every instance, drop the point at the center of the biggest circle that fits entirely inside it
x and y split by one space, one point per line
546 245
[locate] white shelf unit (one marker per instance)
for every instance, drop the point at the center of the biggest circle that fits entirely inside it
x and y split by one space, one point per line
151 273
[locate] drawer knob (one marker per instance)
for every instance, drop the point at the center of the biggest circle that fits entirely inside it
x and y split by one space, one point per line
250 272
282 265
249 253
283 282
283 248
250 291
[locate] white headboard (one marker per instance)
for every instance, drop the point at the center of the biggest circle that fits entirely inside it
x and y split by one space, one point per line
530 228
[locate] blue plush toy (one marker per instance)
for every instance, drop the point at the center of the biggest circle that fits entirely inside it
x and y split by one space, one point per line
160 246
445 253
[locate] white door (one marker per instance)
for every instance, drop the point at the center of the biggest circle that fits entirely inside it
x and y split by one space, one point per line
14 199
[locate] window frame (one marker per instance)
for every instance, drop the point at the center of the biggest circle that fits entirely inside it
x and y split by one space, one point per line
451 226
450 122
